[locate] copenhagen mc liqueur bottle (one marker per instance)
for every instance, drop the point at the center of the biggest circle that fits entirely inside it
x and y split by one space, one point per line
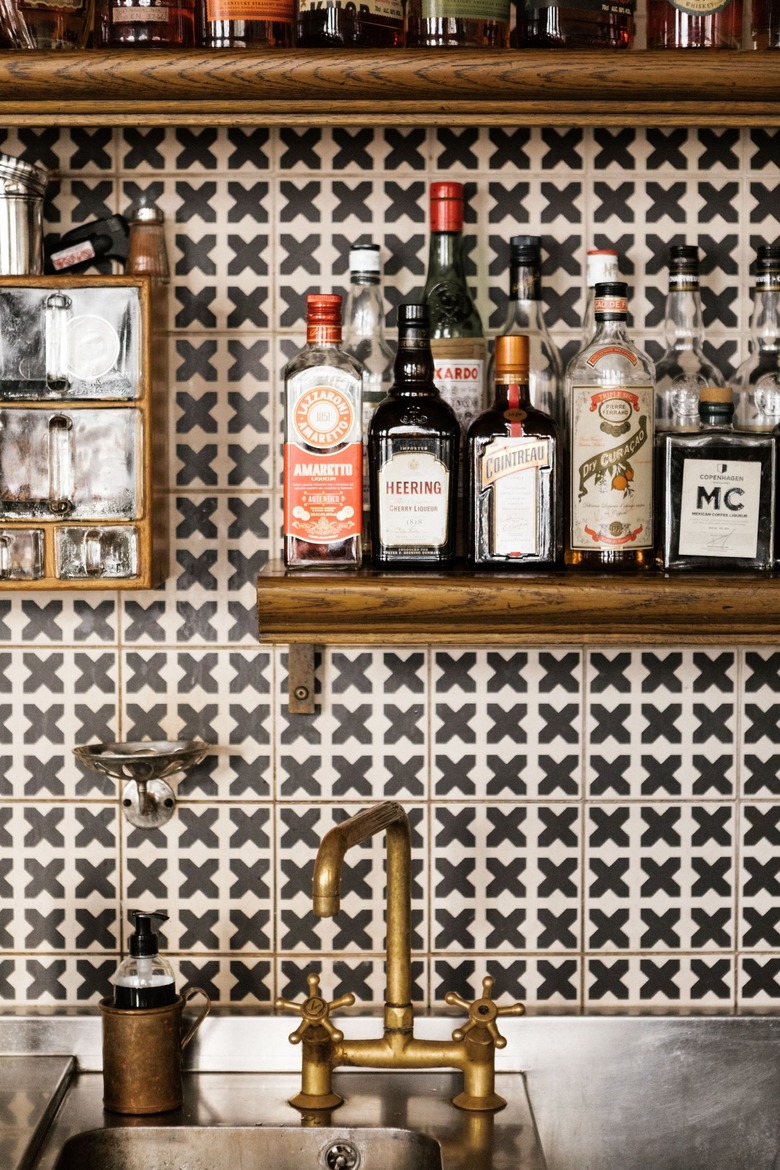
413 444
609 405
334 24
323 447
717 490
460 24
756 383
683 369
457 338
580 24
694 24
514 485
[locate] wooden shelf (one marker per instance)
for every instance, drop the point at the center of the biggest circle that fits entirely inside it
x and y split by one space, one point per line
389 87
467 608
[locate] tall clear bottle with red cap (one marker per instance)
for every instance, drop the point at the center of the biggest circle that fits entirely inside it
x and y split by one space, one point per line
323 445
457 337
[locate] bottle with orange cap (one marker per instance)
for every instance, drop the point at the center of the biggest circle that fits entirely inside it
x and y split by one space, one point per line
514 504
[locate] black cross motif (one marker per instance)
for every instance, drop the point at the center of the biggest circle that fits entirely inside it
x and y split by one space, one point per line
661 775
559 722
614 199
247 307
456 671
607 978
611 775
97 828
196 255
711 978
143 148
404 724
456 723
661 672
405 672
660 928
144 621
353 930
563 149
558 776
196 465
352 201
245 622
196 307
510 149
667 149
252 981
659 979
608 929
661 826
43 725
251 828
195 412
764 776
354 979
712 876
559 671
42 621
406 149
505 928
44 929
146 671
766 202
508 204
196 518
96 929
507 825
767 144
90 148
296 985
713 825
247 202
661 876
714 672
656 295
719 255
455 826
196 202
615 149
557 979
608 877
456 148
506 877
405 201
353 777
95 979
198 929
45 774
248 148
249 465
196 361
713 929
610 723
609 827
353 148
661 724
198 673
557 928
764 671
301 149
455 929
762 929
612 673
148 877
94 620
764 825
455 877
561 202
507 723
300 201
508 672
720 306
719 202
404 776
508 979
455 776
352 723
455 977
666 200
762 978
198 878
558 827
558 877
248 361
196 149
95 672
201 975
45 980
247 255
42 673
713 775
764 722
718 149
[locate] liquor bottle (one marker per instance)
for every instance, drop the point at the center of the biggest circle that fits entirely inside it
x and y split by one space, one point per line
413 444
756 383
525 316
590 24
323 448
609 405
122 24
457 24
457 338
329 24
601 265
514 495
364 338
683 369
46 24
717 492
691 24
765 22
146 251
245 24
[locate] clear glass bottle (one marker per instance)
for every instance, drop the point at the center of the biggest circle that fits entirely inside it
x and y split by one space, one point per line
146 250
601 265
323 445
245 24
457 337
695 24
126 24
514 496
413 445
329 24
590 24
525 316
756 383
144 979
683 369
364 338
609 407
458 24
718 493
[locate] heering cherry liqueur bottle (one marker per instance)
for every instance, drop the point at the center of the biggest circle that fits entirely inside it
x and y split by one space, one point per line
334 24
514 489
323 448
580 24
694 24
245 24
413 445
457 338
610 417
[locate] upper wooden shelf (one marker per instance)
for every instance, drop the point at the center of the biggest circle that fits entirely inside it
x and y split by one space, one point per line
390 87
468 608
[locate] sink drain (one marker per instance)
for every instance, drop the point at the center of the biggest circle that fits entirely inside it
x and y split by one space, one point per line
341 1156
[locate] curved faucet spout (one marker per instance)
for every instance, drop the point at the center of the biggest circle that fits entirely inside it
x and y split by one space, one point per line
327 881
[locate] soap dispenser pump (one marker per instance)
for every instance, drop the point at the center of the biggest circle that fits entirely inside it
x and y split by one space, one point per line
144 979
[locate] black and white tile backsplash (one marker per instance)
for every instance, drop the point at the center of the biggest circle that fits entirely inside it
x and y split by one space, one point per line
595 828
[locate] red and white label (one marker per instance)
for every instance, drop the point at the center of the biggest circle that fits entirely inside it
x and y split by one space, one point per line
323 493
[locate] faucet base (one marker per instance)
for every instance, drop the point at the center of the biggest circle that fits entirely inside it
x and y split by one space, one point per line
314 1101
488 1104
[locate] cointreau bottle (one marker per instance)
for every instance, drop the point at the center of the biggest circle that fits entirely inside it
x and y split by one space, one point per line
609 405
514 473
413 444
323 447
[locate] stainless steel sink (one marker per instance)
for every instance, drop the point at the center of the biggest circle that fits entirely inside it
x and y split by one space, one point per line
251 1148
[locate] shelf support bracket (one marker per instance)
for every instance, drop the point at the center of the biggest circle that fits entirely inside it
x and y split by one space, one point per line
300 678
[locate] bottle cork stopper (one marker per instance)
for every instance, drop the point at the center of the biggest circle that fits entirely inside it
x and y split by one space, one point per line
512 356
716 394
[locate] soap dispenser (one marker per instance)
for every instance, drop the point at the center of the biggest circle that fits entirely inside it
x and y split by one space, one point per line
144 979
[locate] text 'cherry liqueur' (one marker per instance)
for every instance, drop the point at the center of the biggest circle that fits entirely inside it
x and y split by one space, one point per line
610 419
323 448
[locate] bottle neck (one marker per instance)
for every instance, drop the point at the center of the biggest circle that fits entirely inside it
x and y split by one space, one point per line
365 311
525 281
765 319
446 256
413 365
612 327
511 393
684 324
323 336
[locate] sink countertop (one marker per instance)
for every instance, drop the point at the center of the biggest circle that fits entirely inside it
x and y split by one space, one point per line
31 1089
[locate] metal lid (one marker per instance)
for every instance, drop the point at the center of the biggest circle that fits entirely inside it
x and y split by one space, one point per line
147 215
31 179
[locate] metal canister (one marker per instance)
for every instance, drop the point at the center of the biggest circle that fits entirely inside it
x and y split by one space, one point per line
22 187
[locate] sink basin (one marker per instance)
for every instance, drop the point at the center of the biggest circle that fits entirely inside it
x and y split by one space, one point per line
250 1148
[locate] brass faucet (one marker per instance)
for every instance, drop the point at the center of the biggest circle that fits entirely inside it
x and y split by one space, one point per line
472 1047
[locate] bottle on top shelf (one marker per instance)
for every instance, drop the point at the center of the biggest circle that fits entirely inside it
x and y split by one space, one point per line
460 24
245 24
683 369
717 490
371 24
756 383
413 445
323 445
525 316
765 24
694 24
514 472
609 406
582 24
601 264
121 24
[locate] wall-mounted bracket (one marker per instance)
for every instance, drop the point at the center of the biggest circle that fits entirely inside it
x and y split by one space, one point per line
300 678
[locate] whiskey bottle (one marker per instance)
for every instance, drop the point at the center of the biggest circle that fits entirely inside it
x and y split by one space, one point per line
514 472
323 448
525 316
589 24
124 24
609 406
717 507
756 383
683 369
765 22
329 24
458 24
457 338
413 444
693 24
245 24
601 264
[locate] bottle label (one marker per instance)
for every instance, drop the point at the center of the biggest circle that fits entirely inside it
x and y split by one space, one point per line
613 7
683 282
511 468
611 445
225 10
719 508
323 459
768 282
154 14
413 501
700 7
387 9
75 254
465 10
459 374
